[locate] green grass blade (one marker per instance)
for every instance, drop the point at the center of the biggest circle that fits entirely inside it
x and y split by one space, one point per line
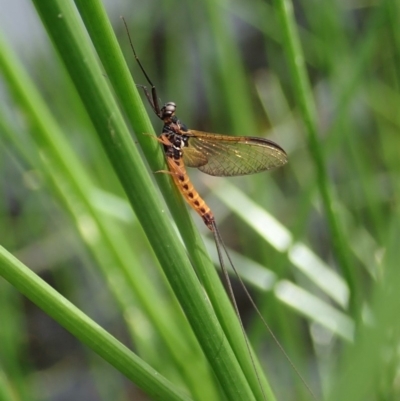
113 254
68 37
110 55
85 329
307 106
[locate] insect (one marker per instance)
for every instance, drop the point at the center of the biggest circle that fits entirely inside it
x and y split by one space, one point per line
213 154
216 155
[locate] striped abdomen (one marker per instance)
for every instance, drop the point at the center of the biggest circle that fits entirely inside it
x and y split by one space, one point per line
182 181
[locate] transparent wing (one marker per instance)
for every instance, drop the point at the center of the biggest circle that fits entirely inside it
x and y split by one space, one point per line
222 155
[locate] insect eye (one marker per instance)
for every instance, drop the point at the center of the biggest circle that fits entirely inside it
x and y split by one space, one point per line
169 109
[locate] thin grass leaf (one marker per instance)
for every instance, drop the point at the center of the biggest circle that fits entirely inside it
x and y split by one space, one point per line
107 47
67 36
86 330
307 105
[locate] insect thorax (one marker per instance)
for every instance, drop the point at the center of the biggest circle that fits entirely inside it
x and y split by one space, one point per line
175 131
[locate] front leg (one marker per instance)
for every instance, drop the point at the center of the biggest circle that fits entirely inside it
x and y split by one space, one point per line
162 139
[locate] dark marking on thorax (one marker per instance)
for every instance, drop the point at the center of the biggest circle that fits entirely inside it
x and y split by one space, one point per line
175 131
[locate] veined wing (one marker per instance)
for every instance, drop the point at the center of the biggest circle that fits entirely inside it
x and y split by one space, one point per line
222 155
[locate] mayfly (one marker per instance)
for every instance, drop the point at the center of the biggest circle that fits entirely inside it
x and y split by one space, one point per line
216 155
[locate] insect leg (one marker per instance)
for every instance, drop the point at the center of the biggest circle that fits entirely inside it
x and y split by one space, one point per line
148 96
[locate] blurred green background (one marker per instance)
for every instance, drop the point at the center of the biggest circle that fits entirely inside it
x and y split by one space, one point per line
315 241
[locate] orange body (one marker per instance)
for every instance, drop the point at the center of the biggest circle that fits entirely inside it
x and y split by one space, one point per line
182 181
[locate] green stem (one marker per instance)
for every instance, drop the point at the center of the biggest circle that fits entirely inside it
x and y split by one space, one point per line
86 330
307 106
65 29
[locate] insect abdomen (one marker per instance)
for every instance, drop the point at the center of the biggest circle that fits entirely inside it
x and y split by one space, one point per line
186 188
